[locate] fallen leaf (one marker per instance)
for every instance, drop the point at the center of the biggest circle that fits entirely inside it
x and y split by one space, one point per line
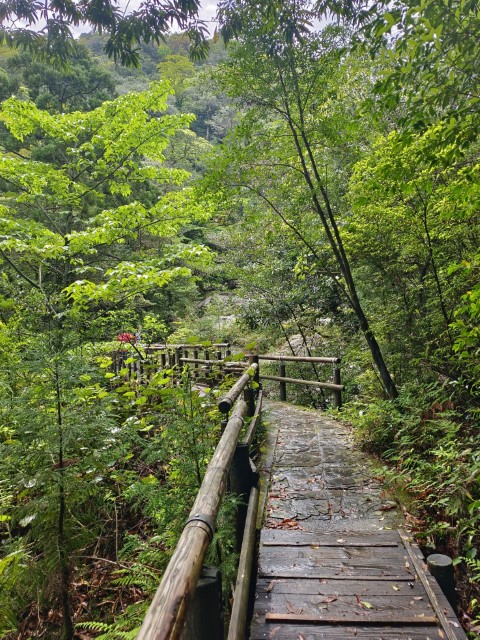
366 605
329 599
394 586
453 623
418 597
295 610
274 631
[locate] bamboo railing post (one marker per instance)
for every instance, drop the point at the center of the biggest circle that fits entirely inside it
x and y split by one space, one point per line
282 383
205 614
208 369
240 480
228 351
441 568
195 357
249 397
337 395
163 361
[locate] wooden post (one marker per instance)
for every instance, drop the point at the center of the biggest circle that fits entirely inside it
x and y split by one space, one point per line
240 477
163 361
205 614
337 395
195 357
228 351
441 568
249 397
208 369
283 384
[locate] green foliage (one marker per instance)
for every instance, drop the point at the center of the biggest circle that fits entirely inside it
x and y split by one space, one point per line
52 37
68 218
433 455
13 570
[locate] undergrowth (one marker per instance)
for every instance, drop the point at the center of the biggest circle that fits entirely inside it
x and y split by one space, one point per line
430 448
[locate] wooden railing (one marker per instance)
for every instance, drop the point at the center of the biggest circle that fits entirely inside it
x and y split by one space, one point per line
188 602
335 385
174 613
216 362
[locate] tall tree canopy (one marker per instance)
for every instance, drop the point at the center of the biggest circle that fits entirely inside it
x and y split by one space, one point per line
48 29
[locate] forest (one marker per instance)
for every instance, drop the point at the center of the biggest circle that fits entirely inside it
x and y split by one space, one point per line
303 180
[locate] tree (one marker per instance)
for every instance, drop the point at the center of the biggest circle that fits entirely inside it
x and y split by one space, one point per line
52 22
83 86
67 219
91 220
284 77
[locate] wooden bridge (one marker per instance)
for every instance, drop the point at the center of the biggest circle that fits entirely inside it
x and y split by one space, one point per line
323 553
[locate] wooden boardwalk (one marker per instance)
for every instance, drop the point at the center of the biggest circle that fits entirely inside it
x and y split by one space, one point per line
334 561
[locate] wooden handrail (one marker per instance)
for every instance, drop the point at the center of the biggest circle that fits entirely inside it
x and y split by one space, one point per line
322 359
166 615
227 402
158 346
308 383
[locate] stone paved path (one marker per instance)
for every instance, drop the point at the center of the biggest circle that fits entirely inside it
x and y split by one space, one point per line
332 563
320 479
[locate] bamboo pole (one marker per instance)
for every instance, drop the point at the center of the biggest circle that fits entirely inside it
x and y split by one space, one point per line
166 616
301 359
227 402
238 620
308 383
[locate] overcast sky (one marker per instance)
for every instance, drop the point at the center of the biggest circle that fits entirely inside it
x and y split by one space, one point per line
208 11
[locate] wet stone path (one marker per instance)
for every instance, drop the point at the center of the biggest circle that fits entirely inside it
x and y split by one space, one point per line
333 559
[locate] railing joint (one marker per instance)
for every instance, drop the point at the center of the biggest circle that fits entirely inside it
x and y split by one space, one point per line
202 517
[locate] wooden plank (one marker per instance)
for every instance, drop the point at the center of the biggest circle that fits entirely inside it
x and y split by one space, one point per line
315 563
342 537
328 619
356 631
337 604
324 576
320 543
315 553
390 589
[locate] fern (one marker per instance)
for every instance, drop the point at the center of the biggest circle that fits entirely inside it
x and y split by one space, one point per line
12 569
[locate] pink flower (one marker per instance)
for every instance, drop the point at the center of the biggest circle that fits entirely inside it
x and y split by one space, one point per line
126 337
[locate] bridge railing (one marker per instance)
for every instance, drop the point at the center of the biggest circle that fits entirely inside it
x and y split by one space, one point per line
335 385
174 613
140 362
216 362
